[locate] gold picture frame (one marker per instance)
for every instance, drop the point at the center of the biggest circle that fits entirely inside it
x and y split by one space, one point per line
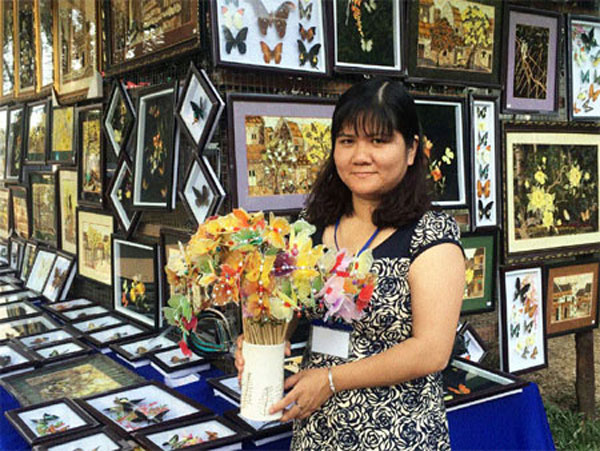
94 253
25 48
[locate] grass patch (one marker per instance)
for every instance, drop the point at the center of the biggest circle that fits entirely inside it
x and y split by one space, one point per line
571 431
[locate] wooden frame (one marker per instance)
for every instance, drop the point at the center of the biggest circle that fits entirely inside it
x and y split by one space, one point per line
222 384
119 100
26 56
67 209
5 213
23 360
141 353
103 338
14 161
273 429
46 205
38 158
63 146
107 224
57 307
45 338
83 313
479 296
179 367
19 194
90 185
127 219
18 296
44 61
7 25
15 253
20 309
97 323
64 278
209 192
40 270
28 259
3 125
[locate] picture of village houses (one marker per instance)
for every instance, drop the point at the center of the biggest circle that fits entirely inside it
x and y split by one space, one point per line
284 154
475 272
455 34
572 297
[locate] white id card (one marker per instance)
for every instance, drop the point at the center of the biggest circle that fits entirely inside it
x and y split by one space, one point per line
330 341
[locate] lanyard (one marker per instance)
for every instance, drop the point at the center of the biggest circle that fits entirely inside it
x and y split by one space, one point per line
365 247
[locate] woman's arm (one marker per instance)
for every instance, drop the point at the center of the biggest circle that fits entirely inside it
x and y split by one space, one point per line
436 279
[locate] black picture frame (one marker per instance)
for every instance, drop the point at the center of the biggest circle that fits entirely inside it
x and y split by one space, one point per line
224 390
46 207
3 140
63 157
16 310
25 295
63 306
93 324
104 337
32 282
45 338
195 364
28 258
51 292
26 325
67 222
211 192
90 196
38 158
27 360
44 353
17 246
143 354
20 192
15 145
271 430
6 221
169 237
467 328
118 97
128 220
94 435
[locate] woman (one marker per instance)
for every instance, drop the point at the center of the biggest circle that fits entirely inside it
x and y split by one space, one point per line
387 394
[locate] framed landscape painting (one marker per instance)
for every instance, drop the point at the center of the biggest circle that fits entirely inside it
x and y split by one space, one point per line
91 157
62 150
551 177
277 145
480 283
20 211
38 127
94 231
44 218
67 209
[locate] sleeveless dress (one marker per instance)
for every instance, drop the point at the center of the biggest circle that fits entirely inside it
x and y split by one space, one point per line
410 415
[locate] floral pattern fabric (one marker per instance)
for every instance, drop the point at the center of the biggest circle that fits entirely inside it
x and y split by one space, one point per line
410 415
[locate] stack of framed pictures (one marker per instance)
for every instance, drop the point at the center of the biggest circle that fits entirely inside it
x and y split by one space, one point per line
51 274
176 367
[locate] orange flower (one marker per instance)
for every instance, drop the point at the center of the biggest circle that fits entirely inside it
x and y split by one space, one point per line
258 306
436 174
427 146
278 229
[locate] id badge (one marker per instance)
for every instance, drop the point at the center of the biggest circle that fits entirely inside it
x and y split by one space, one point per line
330 340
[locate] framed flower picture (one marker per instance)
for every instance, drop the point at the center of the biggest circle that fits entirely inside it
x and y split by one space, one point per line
67 209
522 320
61 276
457 42
171 242
583 81
202 193
94 231
367 36
445 148
199 107
25 52
119 118
38 130
551 177
136 287
62 150
571 298
28 259
20 211
91 156
14 144
8 48
13 359
277 144
271 35
5 217
531 60
44 218
40 271
44 28
480 283
120 197
3 135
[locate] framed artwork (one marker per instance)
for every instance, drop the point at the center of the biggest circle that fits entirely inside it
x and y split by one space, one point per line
445 148
202 193
25 61
104 338
457 42
21 309
480 283
14 145
45 338
13 358
367 36
583 81
61 351
94 231
91 157
4 253
140 36
79 314
20 211
137 349
67 209
28 259
171 242
102 322
136 286
119 118
531 60
3 135
58 283
271 35
92 439
158 403
40 271
571 298
44 28
18 296
38 128
5 217
261 431
475 347
296 129
227 387
120 197
44 218
522 320
156 150
77 46
75 378
17 248
62 150
62 306
8 48
205 433
551 177
23 327
199 107
173 363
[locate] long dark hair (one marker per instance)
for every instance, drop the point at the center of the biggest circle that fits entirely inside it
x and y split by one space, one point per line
379 106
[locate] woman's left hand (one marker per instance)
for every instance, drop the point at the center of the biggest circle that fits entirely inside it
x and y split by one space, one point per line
310 390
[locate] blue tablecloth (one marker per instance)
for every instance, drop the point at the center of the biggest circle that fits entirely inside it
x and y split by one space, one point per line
514 422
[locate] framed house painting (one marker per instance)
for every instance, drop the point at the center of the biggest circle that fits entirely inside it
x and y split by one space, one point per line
282 36
571 297
551 177
367 36
119 118
202 193
14 144
276 145
456 41
62 150
38 129
44 218
156 154
67 209
3 135
583 81
8 48
445 148
44 27
136 286
485 150
20 211
522 320
480 280
91 157
5 223
94 231
120 196
25 53
531 61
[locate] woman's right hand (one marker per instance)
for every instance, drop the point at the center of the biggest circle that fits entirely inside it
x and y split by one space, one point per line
239 357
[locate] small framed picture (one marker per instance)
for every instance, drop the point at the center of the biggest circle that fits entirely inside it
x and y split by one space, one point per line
67 209
93 439
15 310
3 135
60 279
94 232
13 359
17 248
202 193
62 150
480 280
227 387
98 323
171 243
68 305
60 351
24 327
173 363
82 313
44 217
137 349
40 271
4 253
20 212
15 143
262 431
5 216
91 163
119 119
120 197
522 320
148 404
54 418
476 349
19 296
105 337
45 338
38 129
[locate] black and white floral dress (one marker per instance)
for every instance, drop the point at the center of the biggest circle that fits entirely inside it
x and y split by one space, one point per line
410 415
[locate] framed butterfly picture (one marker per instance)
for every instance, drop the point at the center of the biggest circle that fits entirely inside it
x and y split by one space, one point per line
368 36
480 280
60 279
120 196
202 193
119 118
276 35
485 150
522 320
583 59
199 107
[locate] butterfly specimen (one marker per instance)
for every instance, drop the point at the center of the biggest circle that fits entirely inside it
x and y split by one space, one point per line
589 40
525 352
238 41
593 95
199 109
514 330
307 34
236 3
123 405
461 390
528 326
521 290
49 424
144 350
483 189
311 56
58 278
534 353
305 10
482 139
585 215
484 171
485 210
233 19
481 112
530 308
202 195
585 76
274 54
177 359
4 360
278 18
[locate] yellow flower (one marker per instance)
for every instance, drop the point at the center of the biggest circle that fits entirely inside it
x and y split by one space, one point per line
574 176
548 219
200 246
540 177
527 184
277 230
140 288
469 274
536 199
586 176
549 202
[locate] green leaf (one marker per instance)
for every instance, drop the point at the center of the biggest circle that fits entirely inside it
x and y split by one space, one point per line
186 310
176 300
170 315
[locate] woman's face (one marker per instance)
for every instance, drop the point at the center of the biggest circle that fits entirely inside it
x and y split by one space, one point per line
372 165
